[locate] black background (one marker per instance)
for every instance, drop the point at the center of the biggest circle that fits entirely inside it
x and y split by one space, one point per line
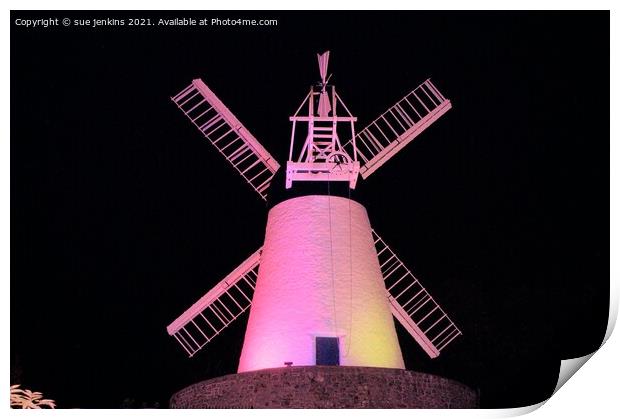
122 215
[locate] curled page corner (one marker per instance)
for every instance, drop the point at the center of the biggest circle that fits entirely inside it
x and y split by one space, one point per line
569 367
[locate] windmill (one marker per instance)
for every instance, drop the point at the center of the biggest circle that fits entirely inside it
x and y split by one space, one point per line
323 288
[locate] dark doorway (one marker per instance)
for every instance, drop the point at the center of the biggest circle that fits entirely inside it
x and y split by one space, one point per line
327 352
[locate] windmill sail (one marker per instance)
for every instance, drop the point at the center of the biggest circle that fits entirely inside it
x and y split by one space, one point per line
228 135
218 308
412 305
398 126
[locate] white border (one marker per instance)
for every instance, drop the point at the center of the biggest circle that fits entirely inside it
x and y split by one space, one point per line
592 394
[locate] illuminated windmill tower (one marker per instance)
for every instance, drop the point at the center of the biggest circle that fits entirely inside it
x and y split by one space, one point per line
324 288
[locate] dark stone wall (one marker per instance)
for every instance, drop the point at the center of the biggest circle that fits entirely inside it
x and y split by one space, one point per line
326 387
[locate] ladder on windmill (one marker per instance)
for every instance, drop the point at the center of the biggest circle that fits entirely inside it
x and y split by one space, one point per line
324 136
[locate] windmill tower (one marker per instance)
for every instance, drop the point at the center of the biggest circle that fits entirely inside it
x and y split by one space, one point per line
324 288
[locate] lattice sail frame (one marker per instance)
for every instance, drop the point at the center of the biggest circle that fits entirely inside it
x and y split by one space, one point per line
398 126
412 305
218 124
218 308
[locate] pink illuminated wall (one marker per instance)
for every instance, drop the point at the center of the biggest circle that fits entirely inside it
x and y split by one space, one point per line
319 276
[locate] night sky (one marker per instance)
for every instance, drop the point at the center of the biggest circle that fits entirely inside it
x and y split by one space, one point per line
123 215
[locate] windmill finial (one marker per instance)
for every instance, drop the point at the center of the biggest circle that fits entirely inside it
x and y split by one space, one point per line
324 104
323 61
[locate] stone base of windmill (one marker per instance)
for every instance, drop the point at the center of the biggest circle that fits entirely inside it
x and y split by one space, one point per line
326 387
